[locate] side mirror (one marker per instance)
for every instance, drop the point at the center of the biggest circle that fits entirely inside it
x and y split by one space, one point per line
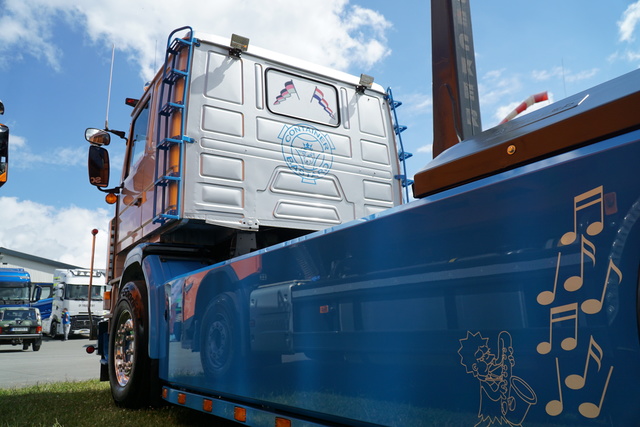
37 294
98 166
1 108
97 136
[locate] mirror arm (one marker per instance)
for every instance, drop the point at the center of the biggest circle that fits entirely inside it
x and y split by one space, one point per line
114 190
119 133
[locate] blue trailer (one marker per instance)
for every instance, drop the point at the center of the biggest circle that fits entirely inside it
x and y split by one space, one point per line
506 293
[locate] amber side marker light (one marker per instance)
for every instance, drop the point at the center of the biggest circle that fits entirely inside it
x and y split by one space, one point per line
207 405
283 422
240 414
182 398
110 198
165 393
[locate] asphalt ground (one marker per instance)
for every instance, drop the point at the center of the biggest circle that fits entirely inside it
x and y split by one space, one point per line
56 361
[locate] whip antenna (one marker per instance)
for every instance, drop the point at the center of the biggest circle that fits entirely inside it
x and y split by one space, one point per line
106 120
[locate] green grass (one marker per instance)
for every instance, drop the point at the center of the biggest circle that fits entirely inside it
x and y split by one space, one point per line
86 403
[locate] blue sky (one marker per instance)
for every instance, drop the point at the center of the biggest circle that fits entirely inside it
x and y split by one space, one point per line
55 58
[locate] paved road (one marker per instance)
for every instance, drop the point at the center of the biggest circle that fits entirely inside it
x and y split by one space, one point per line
56 361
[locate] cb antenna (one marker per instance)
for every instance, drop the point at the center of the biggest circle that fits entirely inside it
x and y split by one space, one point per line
106 119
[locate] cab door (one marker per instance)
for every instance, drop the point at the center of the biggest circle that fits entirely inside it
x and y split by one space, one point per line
139 165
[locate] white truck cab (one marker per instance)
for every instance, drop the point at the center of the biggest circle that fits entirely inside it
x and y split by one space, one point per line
71 291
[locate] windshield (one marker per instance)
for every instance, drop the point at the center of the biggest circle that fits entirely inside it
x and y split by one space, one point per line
81 292
18 314
9 291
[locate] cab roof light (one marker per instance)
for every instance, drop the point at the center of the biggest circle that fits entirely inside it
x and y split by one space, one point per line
365 82
131 102
238 45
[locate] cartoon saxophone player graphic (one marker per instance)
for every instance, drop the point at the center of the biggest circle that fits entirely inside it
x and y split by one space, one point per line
503 396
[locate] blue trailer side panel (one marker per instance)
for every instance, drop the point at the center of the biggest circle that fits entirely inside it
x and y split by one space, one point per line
512 299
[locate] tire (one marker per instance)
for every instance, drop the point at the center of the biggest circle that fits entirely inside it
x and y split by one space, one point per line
25 346
133 376
220 342
36 345
53 331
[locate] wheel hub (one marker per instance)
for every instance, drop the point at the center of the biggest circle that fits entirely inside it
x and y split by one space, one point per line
124 348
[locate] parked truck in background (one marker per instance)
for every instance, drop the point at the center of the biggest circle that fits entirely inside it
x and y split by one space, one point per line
71 291
265 271
16 289
45 300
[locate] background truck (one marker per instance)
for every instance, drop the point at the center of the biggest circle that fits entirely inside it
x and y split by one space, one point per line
505 294
16 288
71 291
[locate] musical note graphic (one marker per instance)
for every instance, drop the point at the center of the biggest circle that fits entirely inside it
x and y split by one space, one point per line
575 381
591 410
584 201
555 407
547 297
587 248
561 314
592 306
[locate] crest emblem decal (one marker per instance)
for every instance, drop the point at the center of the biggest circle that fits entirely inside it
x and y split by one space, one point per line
307 151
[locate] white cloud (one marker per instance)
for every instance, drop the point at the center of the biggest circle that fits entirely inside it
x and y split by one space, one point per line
627 25
22 157
428 149
416 104
29 25
332 32
494 86
565 74
59 234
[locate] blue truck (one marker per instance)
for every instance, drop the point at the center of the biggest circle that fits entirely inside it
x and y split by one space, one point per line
17 290
506 293
15 287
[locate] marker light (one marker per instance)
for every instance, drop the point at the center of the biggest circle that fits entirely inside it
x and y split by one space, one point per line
283 422
132 102
240 414
110 198
207 405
